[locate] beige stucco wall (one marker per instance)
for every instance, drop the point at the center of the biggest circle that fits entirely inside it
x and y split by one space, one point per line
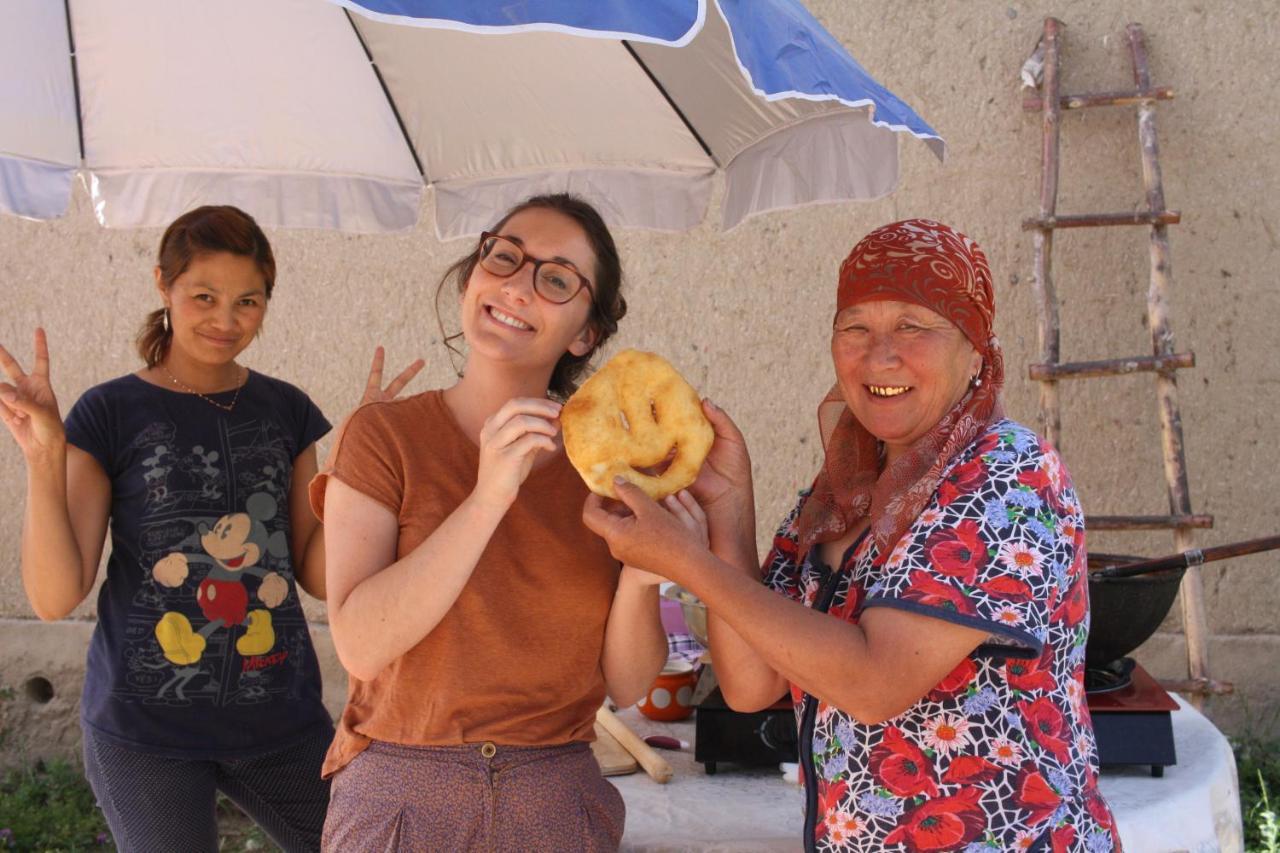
745 314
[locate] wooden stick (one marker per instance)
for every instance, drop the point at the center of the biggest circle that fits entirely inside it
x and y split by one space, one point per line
1103 220
1147 522
1195 621
1034 103
1048 326
1198 686
655 765
1110 366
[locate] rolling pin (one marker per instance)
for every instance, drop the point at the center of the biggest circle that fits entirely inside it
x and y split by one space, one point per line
655 765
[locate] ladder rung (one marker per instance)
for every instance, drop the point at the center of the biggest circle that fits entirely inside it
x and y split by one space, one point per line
1198 686
1035 103
1110 367
1096 220
1147 522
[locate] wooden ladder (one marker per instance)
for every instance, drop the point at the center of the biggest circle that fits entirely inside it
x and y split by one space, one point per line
1164 361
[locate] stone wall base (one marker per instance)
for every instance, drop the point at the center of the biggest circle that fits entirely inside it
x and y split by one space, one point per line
42 667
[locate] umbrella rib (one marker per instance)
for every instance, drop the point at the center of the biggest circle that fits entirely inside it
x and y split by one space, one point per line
663 89
395 111
75 77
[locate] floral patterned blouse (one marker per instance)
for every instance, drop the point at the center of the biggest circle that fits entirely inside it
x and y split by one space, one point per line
1000 755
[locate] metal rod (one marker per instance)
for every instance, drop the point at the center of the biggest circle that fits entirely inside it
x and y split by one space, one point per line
1048 326
1034 104
1111 366
670 101
1102 220
75 77
1194 557
395 111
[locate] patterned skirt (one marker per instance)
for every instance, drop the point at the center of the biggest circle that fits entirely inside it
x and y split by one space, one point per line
393 797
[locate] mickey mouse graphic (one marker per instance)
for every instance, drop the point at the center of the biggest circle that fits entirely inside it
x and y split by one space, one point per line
234 547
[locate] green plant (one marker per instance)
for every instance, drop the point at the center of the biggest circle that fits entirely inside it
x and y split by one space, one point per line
237 832
1258 767
50 807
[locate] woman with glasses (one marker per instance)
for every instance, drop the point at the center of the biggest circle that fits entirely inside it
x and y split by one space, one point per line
481 623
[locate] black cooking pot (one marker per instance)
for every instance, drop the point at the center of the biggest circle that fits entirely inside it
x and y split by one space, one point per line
1125 612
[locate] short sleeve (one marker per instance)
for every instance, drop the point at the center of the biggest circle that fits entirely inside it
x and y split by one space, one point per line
366 457
781 568
310 424
995 549
89 427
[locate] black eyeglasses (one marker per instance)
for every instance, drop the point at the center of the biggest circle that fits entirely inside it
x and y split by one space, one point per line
552 280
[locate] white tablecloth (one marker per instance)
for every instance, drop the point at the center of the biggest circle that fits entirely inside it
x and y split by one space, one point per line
1194 807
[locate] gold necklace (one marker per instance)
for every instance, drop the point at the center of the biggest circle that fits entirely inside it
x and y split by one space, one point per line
226 407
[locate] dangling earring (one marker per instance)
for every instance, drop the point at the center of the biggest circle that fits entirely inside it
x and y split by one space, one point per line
165 321
975 382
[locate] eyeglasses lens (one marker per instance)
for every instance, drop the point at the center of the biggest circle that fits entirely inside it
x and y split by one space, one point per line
553 282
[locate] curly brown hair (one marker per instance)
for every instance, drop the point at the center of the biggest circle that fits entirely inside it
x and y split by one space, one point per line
607 304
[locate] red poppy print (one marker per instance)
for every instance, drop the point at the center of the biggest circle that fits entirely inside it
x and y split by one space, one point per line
962 480
1031 675
1075 604
956 682
957 552
970 762
946 823
1007 588
1062 839
1098 808
925 589
971 769
986 444
1036 478
1047 726
902 767
846 609
829 797
1032 792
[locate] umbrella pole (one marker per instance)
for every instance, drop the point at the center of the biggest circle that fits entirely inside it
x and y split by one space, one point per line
75 77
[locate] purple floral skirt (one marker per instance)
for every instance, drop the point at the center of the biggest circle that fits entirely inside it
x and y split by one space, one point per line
393 797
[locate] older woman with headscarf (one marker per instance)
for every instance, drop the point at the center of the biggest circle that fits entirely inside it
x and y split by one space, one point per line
926 600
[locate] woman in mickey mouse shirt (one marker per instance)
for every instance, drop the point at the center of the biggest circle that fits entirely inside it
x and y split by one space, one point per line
926 600
201 675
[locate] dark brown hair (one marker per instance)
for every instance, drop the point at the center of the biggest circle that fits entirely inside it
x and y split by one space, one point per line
202 231
607 304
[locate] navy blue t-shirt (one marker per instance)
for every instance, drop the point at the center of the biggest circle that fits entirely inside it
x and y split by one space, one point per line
201 648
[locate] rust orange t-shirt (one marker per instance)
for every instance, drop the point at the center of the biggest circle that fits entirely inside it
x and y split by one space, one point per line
516 660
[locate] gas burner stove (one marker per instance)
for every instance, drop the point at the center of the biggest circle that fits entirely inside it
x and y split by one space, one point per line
1131 716
761 738
1110 677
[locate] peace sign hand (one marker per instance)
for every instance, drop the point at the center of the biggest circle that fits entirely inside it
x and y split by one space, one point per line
373 390
28 406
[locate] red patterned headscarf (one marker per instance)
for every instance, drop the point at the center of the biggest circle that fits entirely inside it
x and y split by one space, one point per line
929 264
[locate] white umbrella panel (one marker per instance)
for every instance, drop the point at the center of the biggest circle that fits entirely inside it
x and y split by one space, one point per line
309 116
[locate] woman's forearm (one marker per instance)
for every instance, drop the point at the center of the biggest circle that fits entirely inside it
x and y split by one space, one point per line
746 679
635 644
392 609
53 569
873 670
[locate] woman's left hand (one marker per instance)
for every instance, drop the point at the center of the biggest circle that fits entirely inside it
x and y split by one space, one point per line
373 390
683 506
645 535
